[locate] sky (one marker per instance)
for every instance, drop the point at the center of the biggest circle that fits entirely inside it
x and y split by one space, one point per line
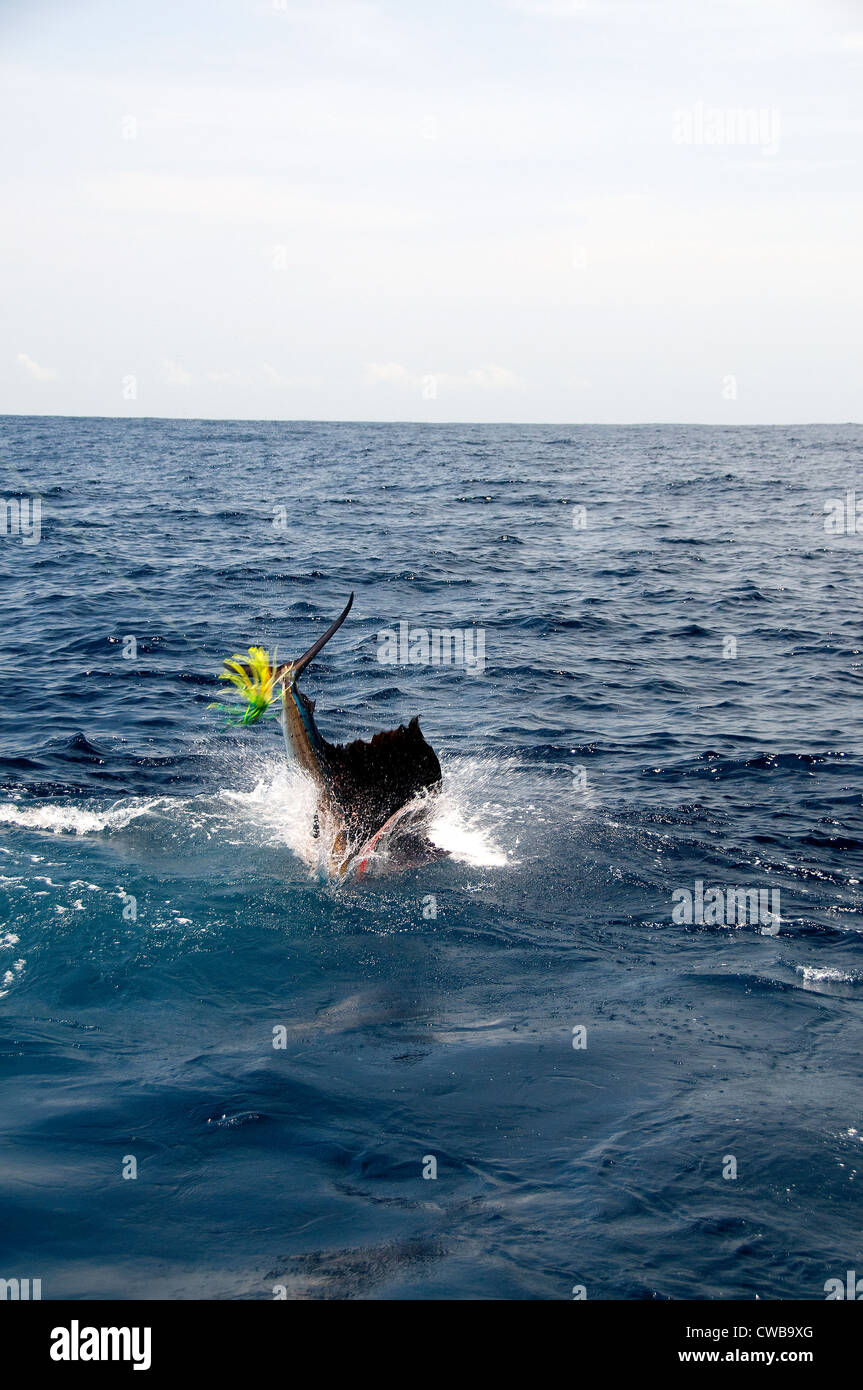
482 210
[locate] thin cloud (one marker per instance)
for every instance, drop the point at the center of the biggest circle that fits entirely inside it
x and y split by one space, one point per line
489 377
390 373
549 9
38 372
176 375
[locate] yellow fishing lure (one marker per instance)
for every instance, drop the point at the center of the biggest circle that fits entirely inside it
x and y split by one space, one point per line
254 680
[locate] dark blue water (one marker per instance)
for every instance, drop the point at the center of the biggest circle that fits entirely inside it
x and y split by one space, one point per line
612 752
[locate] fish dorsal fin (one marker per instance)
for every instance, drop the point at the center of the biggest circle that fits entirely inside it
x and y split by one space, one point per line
373 779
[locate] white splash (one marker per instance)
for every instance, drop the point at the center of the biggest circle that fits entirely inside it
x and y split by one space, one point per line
273 803
467 819
279 808
826 974
76 820
464 821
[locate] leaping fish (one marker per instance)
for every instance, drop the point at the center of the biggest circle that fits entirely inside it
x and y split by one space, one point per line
367 791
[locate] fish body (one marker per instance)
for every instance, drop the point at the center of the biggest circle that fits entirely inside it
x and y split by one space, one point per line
368 791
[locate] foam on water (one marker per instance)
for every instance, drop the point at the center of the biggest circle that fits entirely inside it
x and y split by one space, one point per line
466 820
278 806
275 801
469 818
827 974
72 819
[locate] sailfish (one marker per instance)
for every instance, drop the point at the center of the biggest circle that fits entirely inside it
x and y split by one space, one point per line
366 791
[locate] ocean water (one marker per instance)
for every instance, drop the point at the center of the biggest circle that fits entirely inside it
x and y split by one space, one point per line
670 697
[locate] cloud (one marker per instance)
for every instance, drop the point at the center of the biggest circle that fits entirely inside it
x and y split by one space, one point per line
552 9
354 27
237 377
245 378
489 377
392 373
40 373
175 375
244 200
356 255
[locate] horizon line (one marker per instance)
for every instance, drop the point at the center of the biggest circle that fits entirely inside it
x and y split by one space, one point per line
434 424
